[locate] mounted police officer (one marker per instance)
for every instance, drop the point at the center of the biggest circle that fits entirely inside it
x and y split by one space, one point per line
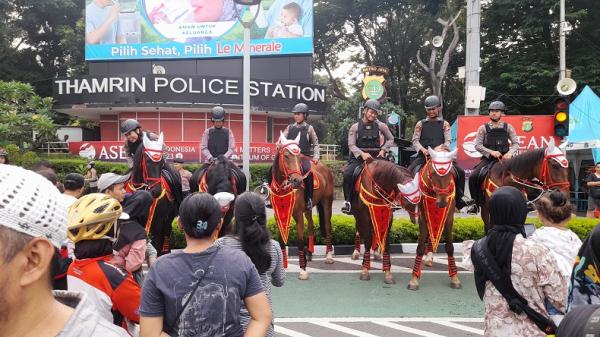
492 142
434 131
309 147
364 145
217 140
132 130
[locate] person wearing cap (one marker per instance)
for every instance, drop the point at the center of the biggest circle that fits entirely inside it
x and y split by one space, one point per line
309 147
3 156
492 141
91 223
74 183
29 239
365 145
217 140
185 176
113 185
433 131
132 130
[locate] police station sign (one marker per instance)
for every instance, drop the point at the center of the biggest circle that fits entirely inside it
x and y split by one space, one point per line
173 89
188 151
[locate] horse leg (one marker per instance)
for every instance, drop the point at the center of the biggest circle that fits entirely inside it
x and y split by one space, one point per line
324 210
311 235
376 253
365 233
298 217
356 252
428 261
452 271
413 284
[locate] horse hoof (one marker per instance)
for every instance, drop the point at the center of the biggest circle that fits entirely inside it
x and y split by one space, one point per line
309 257
329 258
389 280
413 287
428 262
355 255
303 275
365 277
455 285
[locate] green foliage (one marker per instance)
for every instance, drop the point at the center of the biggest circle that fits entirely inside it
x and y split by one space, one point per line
14 154
403 231
29 159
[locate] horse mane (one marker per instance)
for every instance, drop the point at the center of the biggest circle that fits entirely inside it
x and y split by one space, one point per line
136 169
523 161
219 179
385 173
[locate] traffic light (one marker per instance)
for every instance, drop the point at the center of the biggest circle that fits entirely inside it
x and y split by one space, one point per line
561 117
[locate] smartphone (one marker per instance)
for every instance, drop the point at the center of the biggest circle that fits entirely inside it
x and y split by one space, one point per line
529 229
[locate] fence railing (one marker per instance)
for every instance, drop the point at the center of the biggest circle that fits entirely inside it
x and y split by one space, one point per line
329 151
55 147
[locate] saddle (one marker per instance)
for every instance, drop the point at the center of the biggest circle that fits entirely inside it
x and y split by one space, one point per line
356 176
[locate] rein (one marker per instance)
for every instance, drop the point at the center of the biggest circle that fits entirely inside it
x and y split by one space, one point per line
545 183
388 198
431 187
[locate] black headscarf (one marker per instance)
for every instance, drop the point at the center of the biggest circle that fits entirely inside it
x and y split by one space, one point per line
508 211
585 289
138 207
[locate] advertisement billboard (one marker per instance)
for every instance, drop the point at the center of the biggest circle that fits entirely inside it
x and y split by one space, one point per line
188 151
177 29
533 132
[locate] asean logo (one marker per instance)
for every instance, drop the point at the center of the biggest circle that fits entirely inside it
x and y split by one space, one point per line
468 145
87 150
527 125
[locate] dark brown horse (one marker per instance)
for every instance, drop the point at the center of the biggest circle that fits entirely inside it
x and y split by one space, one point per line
540 169
287 198
438 187
373 206
222 175
150 172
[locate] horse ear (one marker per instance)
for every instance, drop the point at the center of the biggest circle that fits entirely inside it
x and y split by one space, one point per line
297 140
281 137
160 138
551 144
146 140
416 178
453 153
431 151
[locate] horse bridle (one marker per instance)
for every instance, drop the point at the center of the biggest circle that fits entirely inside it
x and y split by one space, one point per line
286 171
388 197
546 182
155 181
437 189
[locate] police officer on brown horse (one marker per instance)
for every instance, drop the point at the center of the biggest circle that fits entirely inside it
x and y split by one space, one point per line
364 144
434 131
492 142
309 147
132 130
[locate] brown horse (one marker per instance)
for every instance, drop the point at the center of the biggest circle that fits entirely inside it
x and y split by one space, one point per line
437 186
287 198
373 208
540 169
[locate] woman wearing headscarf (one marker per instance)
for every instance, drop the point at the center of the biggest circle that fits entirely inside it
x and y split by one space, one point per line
531 272
585 280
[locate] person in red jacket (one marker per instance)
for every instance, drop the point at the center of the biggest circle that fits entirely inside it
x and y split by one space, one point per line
91 225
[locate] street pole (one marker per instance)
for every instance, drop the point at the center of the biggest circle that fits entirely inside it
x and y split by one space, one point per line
472 52
246 108
563 47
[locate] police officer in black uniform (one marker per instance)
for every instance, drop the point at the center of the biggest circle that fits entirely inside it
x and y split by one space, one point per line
309 147
492 142
364 143
217 140
434 131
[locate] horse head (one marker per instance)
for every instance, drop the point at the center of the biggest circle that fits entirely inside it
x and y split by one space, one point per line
152 163
218 176
288 160
410 190
439 174
554 171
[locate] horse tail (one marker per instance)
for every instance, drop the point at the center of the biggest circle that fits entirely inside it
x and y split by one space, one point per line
321 212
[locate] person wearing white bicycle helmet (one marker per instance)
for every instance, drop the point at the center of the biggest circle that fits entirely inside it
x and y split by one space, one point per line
91 222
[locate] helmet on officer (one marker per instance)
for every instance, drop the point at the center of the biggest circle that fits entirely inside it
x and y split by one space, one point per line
217 114
432 102
372 104
129 125
301 108
497 105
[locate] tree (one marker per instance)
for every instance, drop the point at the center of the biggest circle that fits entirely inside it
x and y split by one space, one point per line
23 113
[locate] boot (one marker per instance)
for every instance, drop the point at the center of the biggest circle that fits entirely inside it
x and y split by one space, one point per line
346 209
308 204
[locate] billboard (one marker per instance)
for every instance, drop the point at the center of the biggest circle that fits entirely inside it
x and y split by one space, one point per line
178 29
533 132
188 151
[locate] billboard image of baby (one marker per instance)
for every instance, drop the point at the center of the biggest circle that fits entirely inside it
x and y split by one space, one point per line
172 29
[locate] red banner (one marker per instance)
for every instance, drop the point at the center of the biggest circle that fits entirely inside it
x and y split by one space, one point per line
188 151
533 132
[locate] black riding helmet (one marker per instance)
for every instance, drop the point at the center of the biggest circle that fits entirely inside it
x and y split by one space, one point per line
217 114
301 108
129 125
497 105
432 102
373 104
